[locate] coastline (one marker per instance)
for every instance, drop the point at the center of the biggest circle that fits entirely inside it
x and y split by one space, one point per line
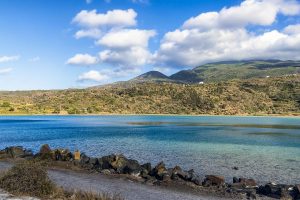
131 177
295 115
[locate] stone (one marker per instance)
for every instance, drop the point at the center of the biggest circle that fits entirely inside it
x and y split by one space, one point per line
159 170
105 161
235 180
133 168
276 191
93 161
118 163
63 155
106 172
84 159
247 182
45 149
235 168
147 166
15 152
46 153
213 180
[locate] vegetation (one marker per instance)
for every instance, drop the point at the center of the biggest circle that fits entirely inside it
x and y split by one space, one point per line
274 95
30 178
224 71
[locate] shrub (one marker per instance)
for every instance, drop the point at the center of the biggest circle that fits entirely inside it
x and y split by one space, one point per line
27 178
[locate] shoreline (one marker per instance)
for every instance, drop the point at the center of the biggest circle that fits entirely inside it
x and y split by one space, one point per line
296 115
121 168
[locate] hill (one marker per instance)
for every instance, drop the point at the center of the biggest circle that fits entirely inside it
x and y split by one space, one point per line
154 76
259 96
223 71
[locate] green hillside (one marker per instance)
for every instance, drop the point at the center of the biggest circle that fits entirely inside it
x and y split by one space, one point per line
223 71
274 95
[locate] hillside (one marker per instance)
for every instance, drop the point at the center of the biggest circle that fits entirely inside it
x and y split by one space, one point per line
280 95
223 71
154 76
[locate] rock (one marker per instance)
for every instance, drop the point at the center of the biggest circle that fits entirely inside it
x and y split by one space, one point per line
15 152
147 166
84 158
28 153
106 172
159 171
45 153
213 180
133 168
3 154
276 191
235 180
235 168
94 162
45 149
119 163
63 155
105 161
248 182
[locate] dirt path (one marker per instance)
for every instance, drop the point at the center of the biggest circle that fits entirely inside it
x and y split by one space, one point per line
128 189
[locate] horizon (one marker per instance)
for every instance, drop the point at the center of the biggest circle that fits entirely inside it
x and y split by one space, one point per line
98 42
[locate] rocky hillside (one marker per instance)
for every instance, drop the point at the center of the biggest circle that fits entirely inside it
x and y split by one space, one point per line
274 95
224 71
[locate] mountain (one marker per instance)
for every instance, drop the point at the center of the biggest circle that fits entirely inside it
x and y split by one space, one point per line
227 70
151 76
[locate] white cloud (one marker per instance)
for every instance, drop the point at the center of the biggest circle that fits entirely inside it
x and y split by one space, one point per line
34 59
5 71
292 29
126 47
126 38
93 76
120 18
255 12
82 59
89 33
217 36
8 58
88 1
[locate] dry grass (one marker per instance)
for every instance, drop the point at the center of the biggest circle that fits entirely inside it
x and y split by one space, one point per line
30 178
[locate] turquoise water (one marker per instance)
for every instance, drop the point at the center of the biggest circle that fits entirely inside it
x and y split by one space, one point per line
264 148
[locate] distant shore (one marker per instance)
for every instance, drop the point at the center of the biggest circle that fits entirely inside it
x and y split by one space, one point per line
292 115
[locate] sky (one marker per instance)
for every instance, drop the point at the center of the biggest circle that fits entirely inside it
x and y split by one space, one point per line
59 44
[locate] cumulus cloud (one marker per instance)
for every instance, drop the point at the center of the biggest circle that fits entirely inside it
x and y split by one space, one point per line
93 76
5 71
223 35
126 47
126 38
89 33
82 59
8 58
120 18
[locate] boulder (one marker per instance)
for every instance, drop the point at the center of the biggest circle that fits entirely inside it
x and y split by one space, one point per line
63 155
132 167
15 152
105 162
45 153
276 191
213 180
247 182
147 167
159 171
45 149
118 163
84 159
106 172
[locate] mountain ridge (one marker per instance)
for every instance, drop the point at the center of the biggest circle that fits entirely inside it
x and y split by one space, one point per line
224 71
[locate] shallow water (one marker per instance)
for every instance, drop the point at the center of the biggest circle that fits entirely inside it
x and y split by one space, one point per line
264 148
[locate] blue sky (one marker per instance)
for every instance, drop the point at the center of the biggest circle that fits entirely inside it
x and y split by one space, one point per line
56 44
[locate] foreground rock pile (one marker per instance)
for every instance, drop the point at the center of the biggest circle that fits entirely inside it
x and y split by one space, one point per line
159 174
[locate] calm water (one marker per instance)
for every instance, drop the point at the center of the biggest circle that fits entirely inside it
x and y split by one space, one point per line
264 148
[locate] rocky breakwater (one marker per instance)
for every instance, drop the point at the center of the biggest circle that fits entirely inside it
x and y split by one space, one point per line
157 175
